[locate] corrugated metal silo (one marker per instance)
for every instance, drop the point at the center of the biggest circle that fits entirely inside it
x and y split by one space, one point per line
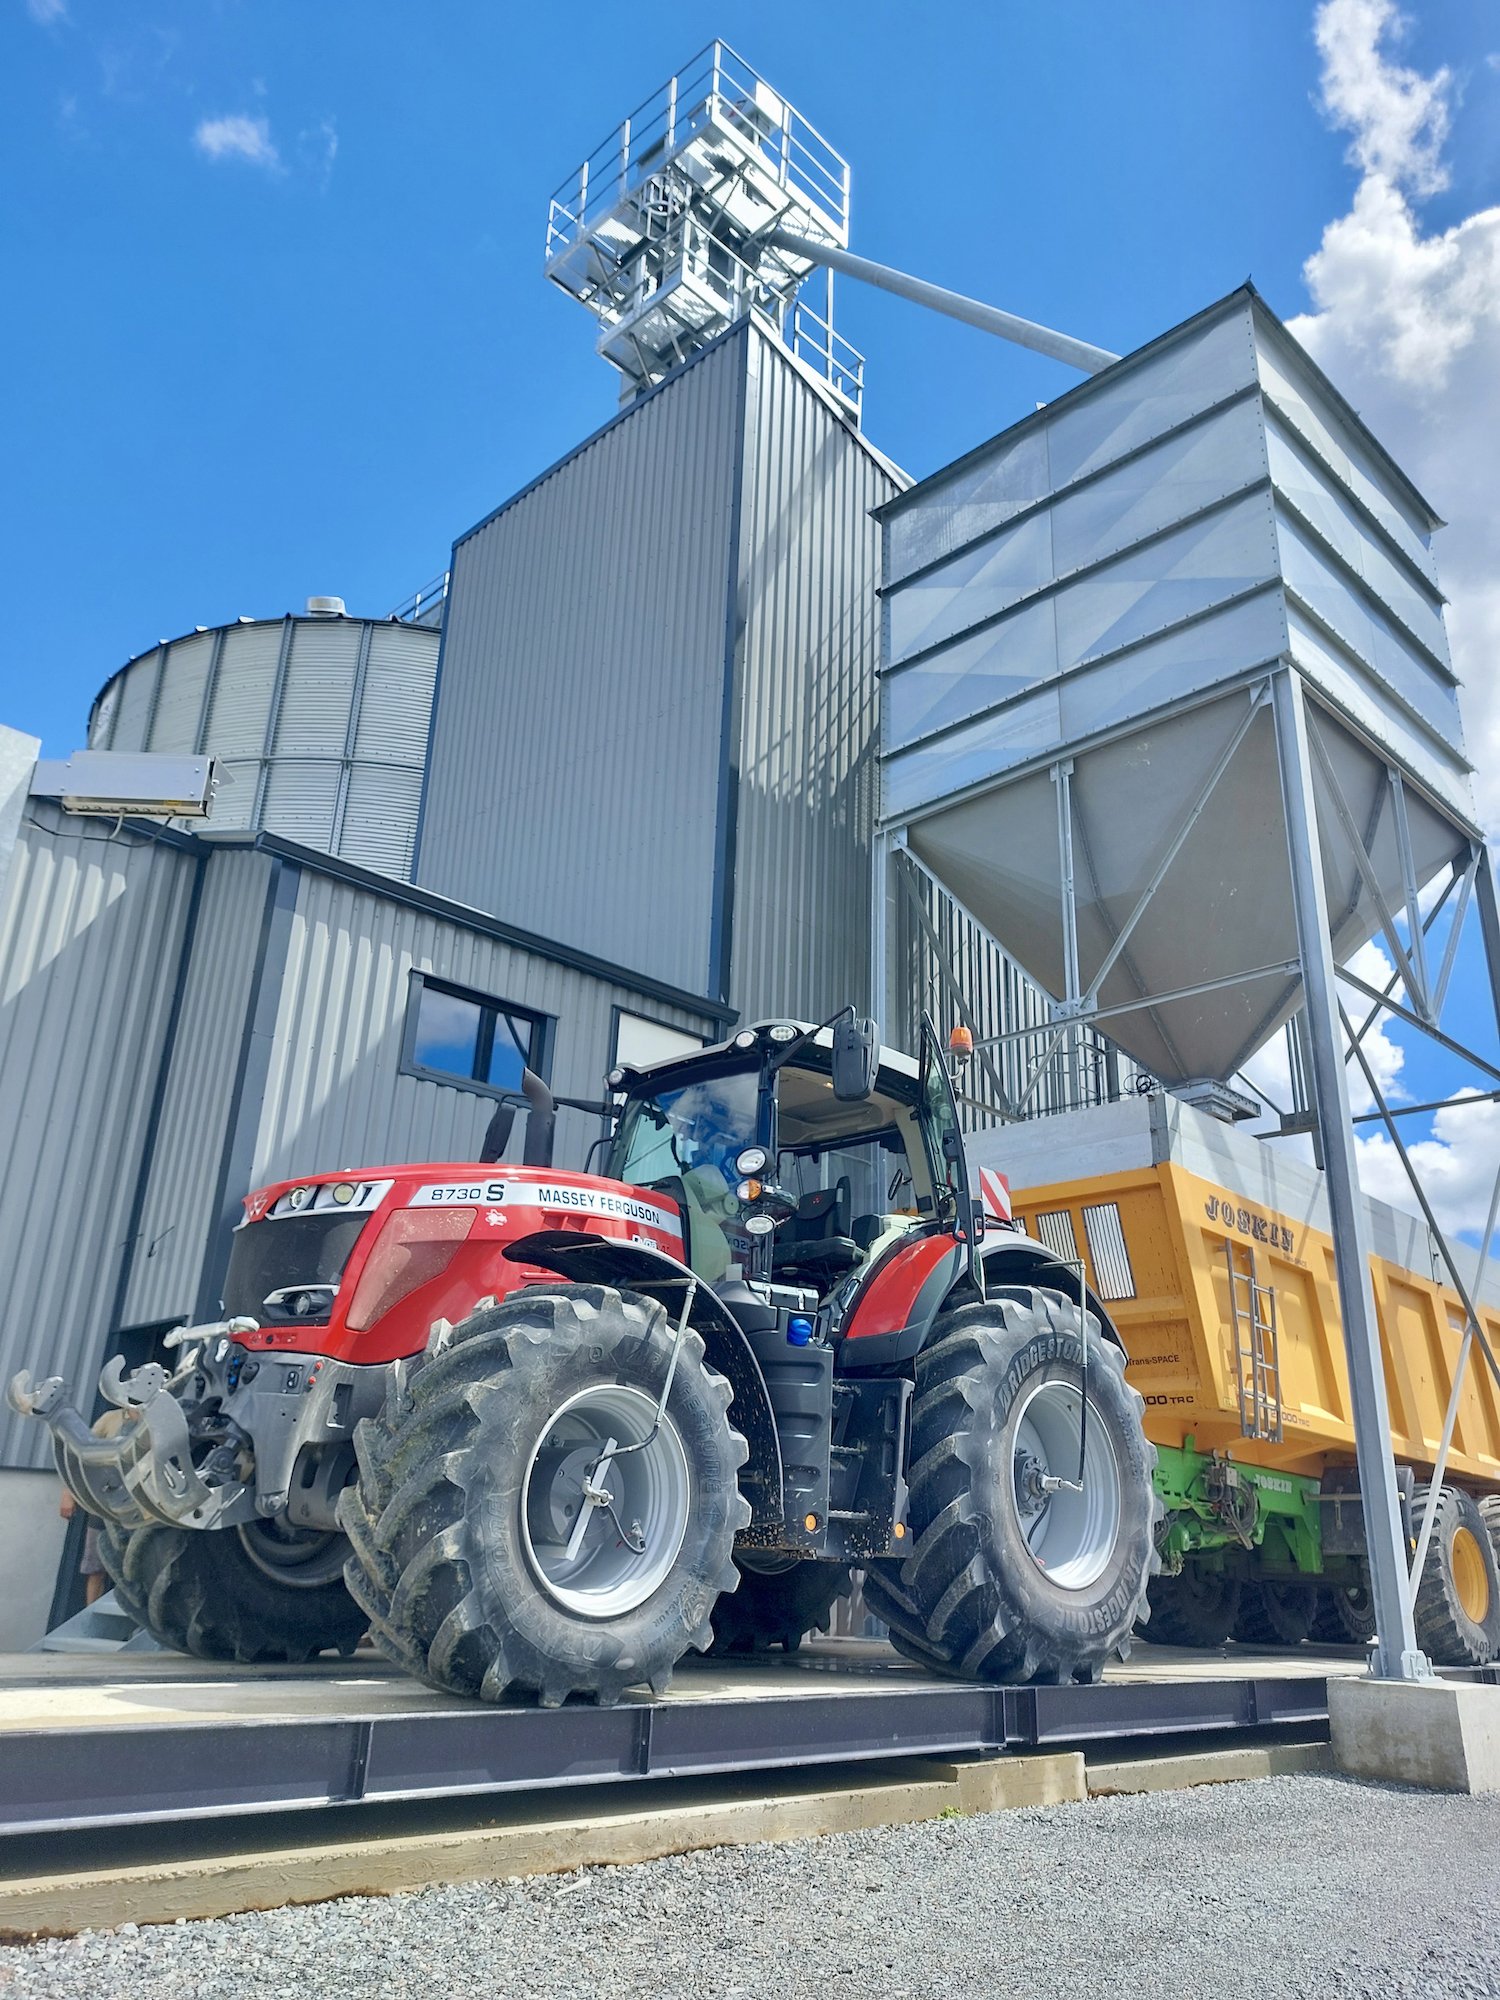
319 723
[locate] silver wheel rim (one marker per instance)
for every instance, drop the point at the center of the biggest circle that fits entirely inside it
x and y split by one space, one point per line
1071 1536
300 1558
627 1547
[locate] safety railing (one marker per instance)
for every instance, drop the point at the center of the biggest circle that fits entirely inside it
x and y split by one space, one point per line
718 87
424 606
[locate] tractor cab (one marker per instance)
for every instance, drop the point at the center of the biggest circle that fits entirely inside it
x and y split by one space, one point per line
798 1156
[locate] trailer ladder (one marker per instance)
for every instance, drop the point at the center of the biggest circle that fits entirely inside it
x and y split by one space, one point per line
1257 1354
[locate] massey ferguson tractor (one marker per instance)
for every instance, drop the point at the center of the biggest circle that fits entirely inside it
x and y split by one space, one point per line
541 1432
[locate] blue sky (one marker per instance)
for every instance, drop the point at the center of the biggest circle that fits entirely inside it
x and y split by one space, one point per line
276 323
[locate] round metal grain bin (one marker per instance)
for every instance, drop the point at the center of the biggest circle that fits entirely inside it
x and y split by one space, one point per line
319 722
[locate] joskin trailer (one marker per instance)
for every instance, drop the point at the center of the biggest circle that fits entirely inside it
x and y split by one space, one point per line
1211 1256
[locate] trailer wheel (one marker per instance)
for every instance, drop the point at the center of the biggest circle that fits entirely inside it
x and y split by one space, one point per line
1013 1578
1197 1607
259 1593
1345 1614
1457 1611
1489 1513
1275 1613
478 1554
779 1601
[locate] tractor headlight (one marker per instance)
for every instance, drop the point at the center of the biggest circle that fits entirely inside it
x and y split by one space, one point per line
751 1161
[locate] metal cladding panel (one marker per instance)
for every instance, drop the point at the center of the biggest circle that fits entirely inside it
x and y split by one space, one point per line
90 930
1094 426
136 692
317 693
395 710
185 668
574 775
809 645
301 799
335 1095
178 1209
241 705
380 818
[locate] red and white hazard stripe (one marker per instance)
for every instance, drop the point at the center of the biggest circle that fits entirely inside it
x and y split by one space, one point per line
994 1193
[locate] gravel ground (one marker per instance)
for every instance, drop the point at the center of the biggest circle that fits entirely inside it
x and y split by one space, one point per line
1286 1887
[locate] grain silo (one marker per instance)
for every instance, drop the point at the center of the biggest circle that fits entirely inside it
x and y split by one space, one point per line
319 722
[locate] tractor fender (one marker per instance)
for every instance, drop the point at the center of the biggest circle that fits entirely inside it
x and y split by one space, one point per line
1029 1265
585 1259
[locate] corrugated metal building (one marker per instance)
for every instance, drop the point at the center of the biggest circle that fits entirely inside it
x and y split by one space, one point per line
657 694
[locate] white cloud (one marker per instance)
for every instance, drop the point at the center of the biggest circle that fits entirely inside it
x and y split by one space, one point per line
238 138
1408 325
1457 1166
47 11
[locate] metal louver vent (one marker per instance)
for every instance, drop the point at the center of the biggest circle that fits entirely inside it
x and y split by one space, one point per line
1110 1260
1056 1230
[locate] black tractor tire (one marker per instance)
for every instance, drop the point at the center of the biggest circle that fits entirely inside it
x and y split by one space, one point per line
994 1381
1457 1609
1489 1513
446 1542
779 1601
1345 1615
887 1599
1275 1613
1197 1607
234 1593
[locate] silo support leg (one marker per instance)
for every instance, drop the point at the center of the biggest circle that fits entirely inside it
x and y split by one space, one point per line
1397 1656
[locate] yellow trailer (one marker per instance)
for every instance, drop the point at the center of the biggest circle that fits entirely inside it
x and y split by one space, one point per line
1210 1251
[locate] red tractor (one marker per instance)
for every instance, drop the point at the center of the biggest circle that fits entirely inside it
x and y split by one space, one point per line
542 1432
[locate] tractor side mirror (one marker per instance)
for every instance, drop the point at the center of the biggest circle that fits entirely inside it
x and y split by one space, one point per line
856 1054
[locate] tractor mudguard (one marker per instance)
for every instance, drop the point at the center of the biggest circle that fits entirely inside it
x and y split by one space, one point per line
1024 1262
911 1284
600 1260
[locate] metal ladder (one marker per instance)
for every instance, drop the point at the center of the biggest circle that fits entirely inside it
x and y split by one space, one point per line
1257 1353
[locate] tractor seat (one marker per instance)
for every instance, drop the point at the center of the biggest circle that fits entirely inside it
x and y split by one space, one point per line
816 1240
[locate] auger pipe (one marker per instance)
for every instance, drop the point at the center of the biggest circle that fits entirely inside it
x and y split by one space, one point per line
990 319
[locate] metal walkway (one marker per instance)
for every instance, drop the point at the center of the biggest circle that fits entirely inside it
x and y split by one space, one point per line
90 1741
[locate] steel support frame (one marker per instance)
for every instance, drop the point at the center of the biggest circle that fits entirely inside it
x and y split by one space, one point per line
65 1780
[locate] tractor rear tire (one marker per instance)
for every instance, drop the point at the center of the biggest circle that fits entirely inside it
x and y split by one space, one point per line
1345 1615
257 1594
779 1601
469 1554
1275 1613
1197 1607
1457 1609
1006 1580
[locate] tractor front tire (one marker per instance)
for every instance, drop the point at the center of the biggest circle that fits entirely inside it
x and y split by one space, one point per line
1457 1609
483 1564
260 1593
1197 1607
1010 1579
780 1600
1275 1613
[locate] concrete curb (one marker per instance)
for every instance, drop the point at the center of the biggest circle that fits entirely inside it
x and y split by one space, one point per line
607 1833
1206 1767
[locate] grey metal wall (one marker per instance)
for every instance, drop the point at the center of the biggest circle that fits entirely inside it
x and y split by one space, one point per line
334 1093
808 651
574 774
179 1207
320 726
90 934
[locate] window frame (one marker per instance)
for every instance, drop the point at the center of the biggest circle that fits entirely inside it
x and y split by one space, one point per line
491 1007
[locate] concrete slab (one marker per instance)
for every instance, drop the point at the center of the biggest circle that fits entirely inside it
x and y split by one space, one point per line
1152 1773
261 1872
1442 1735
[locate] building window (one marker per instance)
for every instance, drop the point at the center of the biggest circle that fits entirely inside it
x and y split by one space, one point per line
470 1039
